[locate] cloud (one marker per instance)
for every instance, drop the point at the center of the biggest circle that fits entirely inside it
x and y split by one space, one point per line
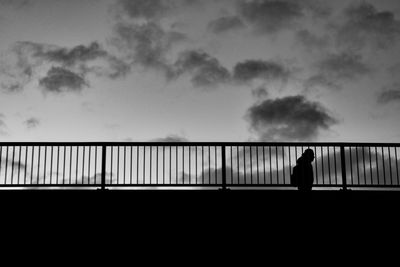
28 59
389 94
225 24
15 3
270 16
70 57
260 93
290 118
143 9
150 10
343 66
32 123
311 41
79 57
259 69
206 70
12 86
146 44
171 139
320 80
2 125
366 25
60 79
16 68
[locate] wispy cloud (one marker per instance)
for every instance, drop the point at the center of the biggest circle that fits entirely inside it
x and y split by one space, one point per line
32 123
171 139
67 67
260 69
225 24
2 125
206 70
143 9
146 44
339 67
365 25
60 80
67 57
290 118
15 3
310 41
272 16
389 94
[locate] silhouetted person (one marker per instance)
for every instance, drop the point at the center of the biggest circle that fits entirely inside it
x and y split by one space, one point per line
305 177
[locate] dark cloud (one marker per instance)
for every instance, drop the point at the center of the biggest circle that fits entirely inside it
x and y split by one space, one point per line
17 68
60 79
322 81
15 3
70 57
206 70
171 139
389 94
143 9
32 54
291 118
32 123
259 69
269 16
366 25
343 66
394 70
76 63
2 125
146 44
151 10
260 93
225 24
311 41
12 86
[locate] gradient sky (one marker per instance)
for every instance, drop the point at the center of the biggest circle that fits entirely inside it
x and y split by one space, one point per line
200 70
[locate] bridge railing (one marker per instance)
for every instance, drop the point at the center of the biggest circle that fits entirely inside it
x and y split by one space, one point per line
195 165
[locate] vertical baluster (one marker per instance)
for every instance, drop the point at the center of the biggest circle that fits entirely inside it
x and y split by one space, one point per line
58 163
383 164
26 162
19 164
334 160
51 165
33 154
277 166
377 165
329 167
397 166
38 173
370 165
238 164
270 165
390 167
358 167
251 164
83 166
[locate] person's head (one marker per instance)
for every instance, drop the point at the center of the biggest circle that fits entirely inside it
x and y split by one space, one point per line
309 155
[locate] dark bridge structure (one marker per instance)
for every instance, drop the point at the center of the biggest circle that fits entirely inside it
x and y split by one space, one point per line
61 166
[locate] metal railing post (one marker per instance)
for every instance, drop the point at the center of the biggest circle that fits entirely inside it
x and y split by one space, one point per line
224 185
343 166
103 167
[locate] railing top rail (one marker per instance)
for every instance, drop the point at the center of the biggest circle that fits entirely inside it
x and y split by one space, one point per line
180 144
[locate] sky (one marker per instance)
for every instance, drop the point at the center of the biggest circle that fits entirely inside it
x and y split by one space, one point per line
200 70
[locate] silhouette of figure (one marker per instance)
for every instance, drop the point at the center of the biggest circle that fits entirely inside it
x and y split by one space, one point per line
305 179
